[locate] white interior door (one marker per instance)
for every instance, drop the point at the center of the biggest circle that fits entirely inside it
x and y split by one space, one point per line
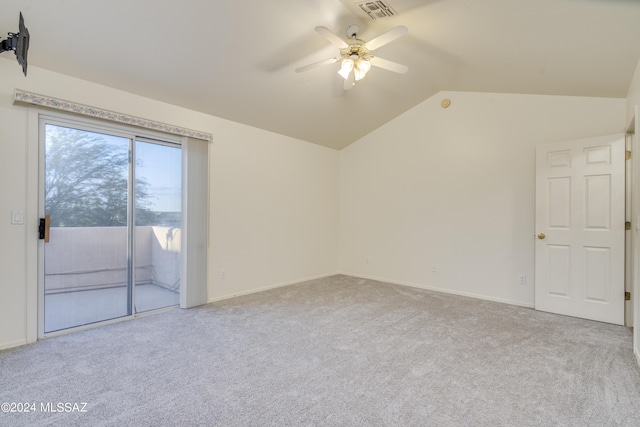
580 207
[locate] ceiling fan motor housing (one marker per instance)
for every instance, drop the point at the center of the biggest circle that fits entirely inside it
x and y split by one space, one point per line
356 49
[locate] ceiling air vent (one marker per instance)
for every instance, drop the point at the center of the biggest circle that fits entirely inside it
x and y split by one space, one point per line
377 9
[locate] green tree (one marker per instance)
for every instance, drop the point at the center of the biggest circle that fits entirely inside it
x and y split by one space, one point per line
86 179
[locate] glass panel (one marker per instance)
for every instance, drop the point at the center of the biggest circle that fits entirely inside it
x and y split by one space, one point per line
158 219
86 196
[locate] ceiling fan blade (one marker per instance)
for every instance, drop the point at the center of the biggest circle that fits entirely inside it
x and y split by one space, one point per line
317 64
332 37
389 65
350 81
387 37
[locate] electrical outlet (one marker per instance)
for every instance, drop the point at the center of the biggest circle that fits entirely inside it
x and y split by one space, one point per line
522 279
223 275
434 268
367 260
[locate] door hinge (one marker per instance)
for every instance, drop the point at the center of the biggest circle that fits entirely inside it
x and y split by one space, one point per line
627 225
627 296
627 154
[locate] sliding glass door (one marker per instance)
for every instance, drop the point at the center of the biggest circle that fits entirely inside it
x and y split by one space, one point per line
97 265
158 234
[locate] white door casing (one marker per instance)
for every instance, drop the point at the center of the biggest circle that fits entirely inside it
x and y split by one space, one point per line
580 214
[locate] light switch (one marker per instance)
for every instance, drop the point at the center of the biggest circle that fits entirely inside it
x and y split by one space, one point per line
17 217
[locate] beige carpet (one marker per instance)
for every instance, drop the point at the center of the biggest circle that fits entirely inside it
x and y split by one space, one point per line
339 351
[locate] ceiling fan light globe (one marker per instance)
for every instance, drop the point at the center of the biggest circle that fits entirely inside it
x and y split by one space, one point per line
344 73
361 68
364 65
346 68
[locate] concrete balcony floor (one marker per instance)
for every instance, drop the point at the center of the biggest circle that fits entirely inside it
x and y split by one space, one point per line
70 309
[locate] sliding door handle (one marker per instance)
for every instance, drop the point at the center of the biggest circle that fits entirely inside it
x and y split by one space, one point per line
43 228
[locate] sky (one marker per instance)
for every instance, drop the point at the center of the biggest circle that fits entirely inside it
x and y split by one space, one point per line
161 167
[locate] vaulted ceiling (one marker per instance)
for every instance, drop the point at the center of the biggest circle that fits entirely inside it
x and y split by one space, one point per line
236 59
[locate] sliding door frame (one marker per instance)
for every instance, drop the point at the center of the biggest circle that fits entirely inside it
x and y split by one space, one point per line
134 134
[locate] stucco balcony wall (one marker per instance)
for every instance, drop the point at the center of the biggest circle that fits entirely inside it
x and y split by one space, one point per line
83 258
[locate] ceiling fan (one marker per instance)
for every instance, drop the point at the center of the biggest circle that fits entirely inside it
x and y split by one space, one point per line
356 54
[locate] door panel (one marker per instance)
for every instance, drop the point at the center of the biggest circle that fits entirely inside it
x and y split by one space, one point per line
158 233
597 264
580 202
85 260
559 263
598 202
559 203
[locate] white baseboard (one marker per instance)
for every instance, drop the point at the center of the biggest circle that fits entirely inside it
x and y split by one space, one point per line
266 288
444 290
11 344
379 279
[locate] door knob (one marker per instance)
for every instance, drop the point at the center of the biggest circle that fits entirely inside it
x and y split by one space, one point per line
541 236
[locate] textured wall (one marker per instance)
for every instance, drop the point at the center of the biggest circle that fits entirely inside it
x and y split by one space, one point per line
452 189
273 203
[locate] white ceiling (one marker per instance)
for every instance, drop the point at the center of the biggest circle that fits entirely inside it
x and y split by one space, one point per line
236 59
